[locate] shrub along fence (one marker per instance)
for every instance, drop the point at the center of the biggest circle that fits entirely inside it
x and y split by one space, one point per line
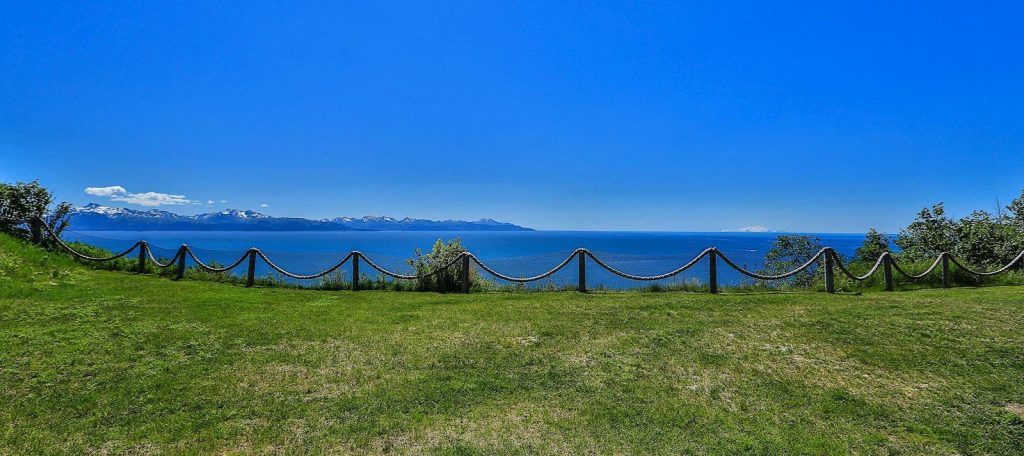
827 260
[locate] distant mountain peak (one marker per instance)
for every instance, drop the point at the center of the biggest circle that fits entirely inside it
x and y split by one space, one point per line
246 214
95 216
386 223
750 229
100 209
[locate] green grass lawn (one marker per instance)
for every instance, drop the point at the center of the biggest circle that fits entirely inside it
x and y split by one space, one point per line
97 361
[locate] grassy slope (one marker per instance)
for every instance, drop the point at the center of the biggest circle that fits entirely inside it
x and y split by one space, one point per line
102 361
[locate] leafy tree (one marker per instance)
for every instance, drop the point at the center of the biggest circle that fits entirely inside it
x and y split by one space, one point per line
875 244
1016 211
985 239
981 238
21 203
789 252
930 234
57 220
445 280
1015 218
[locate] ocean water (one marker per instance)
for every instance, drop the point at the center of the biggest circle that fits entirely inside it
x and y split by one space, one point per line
518 253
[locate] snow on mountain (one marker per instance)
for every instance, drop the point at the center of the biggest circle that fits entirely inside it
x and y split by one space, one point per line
93 208
385 223
99 217
233 213
751 229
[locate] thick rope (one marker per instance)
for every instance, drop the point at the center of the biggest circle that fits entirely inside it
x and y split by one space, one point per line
83 256
757 276
1001 270
213 269
918 276
185 250
851 275
300 276
413 276
524 279
666 275
385 271
171 262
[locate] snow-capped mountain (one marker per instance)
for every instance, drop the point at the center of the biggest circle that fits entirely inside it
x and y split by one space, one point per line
384 223
364 219
97 217
233 214
94 208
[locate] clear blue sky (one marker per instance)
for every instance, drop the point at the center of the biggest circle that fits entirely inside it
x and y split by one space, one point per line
652 116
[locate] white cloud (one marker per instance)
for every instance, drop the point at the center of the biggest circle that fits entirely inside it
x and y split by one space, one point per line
264 205
223 201
106 191
119 193
208 202
153 199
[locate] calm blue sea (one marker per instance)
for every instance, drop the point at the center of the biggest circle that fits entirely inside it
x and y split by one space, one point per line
513 253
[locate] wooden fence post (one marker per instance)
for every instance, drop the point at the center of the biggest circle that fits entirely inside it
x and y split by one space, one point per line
713 271
945 270
887 272
355 271
582 281
830 278
464 273
142 257
181 261
250 275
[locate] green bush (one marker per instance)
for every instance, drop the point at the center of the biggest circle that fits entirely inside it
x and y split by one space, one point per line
433 271
982 239
986 240
788 252
875 244
930 234
21 203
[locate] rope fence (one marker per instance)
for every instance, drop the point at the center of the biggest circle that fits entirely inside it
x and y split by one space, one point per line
827 259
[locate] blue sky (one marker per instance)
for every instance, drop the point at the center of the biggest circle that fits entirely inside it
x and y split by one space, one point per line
678 116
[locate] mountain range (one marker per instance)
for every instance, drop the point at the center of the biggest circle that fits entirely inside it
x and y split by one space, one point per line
96 217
